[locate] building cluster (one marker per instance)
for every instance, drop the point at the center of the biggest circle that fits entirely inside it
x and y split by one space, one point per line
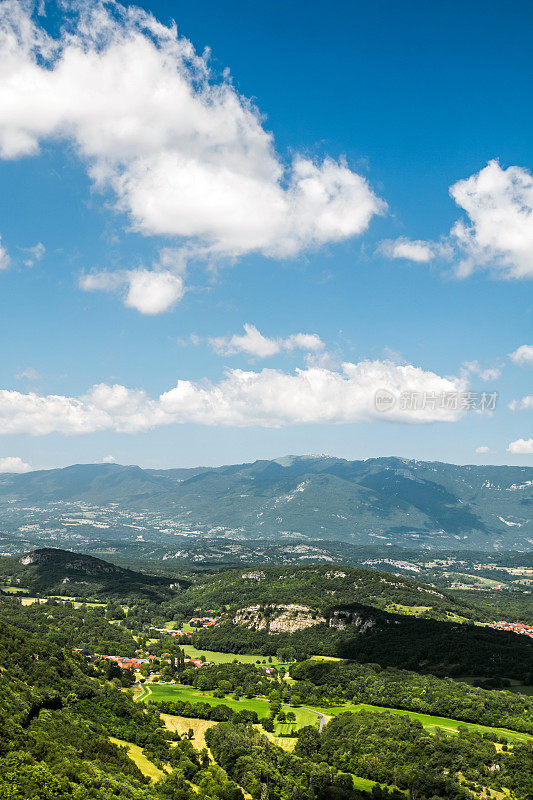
169 631
515 627
207 622
125 662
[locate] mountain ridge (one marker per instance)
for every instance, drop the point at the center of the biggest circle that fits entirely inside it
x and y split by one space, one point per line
396 501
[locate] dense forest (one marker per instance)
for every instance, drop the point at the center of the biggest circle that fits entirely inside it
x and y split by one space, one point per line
441 648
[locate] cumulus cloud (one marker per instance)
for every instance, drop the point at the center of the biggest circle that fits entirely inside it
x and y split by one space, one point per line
148 291
523 355
268 398
521 447
14 464
525 404
483 449
4 257
253 343
182 152
419 251
499 231
109 460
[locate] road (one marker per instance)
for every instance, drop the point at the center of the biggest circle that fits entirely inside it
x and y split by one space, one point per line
321 718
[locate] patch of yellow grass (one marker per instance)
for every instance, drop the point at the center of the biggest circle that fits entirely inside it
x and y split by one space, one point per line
287 743
136 754
181 725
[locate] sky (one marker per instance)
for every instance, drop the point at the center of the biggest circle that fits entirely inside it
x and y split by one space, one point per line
233 231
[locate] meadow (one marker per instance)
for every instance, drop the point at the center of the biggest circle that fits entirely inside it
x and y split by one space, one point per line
430 722
168 692
309 716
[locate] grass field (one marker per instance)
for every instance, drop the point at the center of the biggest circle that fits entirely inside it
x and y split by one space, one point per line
228 658
182 725
137 756
160 691
305 716
14 590
430 722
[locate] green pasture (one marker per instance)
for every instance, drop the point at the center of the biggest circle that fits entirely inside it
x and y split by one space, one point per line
169 692
429 721
228 658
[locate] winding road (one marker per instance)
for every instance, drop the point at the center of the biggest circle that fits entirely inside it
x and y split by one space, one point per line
321 718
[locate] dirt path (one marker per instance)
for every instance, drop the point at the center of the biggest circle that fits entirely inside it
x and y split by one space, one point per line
145 691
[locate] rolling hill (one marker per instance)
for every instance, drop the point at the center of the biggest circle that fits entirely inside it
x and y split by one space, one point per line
59 572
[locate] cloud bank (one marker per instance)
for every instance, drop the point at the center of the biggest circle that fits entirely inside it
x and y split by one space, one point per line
268 398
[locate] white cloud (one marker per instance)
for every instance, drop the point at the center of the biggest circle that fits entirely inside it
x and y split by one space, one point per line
14 464
148 291
28 374
268 398
525 404
34 254
184 154
418 251
255 344
499 231
523 355
521 447
153 292
483 449
109 460
487 374
4 257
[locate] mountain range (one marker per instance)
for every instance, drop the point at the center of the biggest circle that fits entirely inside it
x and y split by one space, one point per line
378 501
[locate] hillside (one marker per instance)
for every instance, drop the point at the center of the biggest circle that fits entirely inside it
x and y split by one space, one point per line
59 572
350 613
321 588
385 501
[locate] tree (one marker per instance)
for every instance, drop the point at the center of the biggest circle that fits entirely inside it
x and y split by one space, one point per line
308 742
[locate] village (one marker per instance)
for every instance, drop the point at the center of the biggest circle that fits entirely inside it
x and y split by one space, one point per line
137 662
514 627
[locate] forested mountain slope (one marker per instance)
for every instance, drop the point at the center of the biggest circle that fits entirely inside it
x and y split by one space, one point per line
375 501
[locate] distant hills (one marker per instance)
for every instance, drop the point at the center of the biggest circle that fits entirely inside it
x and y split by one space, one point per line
381 501
59 572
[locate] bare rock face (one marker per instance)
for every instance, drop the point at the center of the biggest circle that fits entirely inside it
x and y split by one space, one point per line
278 618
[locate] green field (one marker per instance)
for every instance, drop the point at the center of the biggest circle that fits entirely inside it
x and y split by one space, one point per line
161 691
228 658
305 716
429 721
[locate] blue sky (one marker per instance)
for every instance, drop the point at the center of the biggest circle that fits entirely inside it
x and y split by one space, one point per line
356 190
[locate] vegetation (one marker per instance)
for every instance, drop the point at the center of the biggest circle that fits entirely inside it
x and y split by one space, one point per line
255 726
368 683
